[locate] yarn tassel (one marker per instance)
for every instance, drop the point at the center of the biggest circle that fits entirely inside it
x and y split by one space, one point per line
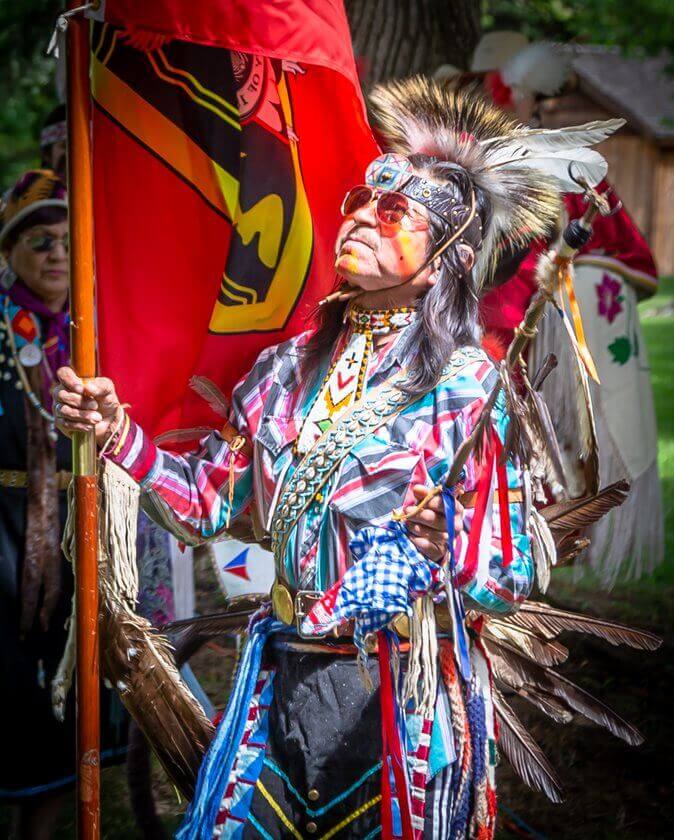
454 600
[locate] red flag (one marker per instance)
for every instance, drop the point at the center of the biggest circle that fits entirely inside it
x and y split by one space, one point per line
225 136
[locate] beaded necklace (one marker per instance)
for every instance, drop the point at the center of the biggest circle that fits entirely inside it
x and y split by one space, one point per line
344 382
22 383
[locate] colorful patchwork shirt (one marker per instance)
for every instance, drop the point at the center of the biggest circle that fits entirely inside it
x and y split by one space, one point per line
191 494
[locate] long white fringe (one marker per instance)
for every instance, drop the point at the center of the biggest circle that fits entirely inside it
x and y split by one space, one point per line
627 543
421 679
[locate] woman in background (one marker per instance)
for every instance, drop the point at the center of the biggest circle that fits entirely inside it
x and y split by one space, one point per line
36 582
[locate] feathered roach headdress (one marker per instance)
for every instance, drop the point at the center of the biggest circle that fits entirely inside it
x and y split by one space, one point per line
520 172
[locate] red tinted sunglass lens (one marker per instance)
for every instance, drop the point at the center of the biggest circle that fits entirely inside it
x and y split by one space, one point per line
355 199
391 207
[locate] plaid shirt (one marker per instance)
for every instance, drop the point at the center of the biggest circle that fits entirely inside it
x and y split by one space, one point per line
189 494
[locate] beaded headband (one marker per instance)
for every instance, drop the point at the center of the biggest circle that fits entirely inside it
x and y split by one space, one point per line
394 172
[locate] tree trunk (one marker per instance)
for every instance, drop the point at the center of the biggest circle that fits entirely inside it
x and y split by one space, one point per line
397 38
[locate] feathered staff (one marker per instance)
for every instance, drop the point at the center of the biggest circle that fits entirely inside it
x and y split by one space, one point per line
553 268
522 172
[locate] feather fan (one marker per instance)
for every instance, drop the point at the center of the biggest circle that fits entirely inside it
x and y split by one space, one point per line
139 663
546 703
549 622
576 514
523 753
516 671
541 650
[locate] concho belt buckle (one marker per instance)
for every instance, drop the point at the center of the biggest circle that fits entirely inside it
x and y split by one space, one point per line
305 600
282 603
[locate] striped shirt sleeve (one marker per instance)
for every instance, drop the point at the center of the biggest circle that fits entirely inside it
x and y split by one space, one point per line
189 494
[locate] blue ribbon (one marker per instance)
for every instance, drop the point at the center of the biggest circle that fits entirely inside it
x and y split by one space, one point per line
456 609
217 764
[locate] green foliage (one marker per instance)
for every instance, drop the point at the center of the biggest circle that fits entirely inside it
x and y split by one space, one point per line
630 24
27 90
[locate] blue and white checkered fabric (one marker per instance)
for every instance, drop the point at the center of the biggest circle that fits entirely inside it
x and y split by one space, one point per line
388 576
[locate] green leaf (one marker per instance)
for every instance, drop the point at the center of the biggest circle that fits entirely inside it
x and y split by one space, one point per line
621 350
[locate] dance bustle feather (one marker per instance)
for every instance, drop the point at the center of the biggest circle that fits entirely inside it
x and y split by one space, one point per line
136 659
521 172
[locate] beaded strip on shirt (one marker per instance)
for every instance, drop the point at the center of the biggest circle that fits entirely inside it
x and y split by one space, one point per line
345 380
314 470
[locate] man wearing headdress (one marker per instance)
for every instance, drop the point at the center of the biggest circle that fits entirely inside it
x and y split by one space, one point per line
328 434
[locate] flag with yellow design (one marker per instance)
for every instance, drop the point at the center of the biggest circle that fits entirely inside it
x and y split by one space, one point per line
225 135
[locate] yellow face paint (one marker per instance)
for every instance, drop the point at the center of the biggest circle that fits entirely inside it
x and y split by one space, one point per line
347 262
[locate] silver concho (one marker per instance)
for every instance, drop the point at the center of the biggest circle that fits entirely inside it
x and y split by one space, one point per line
30 355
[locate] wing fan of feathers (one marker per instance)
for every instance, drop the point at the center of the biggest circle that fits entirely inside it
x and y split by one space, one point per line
524 647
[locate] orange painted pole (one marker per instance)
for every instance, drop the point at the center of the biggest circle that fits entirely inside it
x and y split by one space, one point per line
83 353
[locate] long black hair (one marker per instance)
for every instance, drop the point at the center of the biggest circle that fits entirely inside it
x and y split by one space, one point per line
448 311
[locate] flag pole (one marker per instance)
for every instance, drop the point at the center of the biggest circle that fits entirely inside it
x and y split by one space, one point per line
83 358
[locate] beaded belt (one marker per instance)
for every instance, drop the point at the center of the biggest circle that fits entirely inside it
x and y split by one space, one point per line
19 478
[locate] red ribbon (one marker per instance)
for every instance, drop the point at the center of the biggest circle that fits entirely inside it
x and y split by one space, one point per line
493 453
483 491
391 748
503 504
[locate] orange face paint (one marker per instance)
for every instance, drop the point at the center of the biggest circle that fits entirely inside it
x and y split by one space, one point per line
409 249
347 263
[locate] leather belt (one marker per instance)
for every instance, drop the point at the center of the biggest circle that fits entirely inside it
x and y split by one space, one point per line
19 478
291 610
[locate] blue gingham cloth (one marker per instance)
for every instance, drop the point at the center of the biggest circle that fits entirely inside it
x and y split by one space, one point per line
388 576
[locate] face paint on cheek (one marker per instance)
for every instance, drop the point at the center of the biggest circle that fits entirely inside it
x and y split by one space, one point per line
410 254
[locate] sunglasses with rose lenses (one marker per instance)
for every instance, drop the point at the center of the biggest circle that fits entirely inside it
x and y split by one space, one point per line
42 243
390 206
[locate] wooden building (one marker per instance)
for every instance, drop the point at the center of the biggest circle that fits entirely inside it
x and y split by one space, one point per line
641 155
